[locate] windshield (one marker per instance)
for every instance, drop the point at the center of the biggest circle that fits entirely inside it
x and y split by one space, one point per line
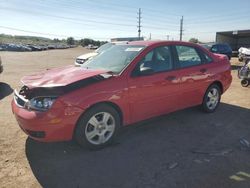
104 47
114 59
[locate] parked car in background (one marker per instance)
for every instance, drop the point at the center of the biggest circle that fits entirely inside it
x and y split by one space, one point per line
91 47
34 47
15 48
1 66
122 85
207 46
83 58
222 49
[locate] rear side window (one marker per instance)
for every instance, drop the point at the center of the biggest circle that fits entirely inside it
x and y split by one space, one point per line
188 56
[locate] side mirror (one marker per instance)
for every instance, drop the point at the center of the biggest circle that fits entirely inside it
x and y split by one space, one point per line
146 71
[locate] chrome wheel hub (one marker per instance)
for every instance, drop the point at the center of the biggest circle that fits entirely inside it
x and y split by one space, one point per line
212 98
100 128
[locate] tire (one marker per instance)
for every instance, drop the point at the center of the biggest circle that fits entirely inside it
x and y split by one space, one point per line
244 83
93 132
211 99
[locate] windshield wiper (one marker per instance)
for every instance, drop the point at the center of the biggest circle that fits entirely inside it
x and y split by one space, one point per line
111 73
108 74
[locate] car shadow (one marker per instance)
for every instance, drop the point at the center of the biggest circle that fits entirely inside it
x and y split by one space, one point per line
5 90
154 153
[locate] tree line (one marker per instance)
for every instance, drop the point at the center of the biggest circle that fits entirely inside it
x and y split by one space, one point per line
84 42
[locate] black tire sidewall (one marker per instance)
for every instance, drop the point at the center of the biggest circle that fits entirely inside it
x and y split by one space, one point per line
79 134
204 103
244 83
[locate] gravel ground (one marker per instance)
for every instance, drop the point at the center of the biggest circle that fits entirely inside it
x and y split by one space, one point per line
184 149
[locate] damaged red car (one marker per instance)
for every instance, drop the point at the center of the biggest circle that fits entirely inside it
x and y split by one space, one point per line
125 84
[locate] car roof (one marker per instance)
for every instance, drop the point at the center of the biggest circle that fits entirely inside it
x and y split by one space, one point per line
221 44
150 43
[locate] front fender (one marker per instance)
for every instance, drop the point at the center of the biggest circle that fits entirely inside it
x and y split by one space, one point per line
105 91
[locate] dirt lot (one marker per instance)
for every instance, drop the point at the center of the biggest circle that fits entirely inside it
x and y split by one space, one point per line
185 149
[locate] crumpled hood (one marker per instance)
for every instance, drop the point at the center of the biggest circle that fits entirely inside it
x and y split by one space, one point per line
59 76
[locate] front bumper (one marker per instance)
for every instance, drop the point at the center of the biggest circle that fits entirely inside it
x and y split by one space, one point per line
56 124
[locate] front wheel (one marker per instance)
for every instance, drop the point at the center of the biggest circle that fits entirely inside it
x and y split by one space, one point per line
97 127
211 99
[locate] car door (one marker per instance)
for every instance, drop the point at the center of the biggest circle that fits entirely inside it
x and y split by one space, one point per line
193 73
156 93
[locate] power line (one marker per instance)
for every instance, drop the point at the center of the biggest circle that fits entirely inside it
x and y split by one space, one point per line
215 17
219 21
84 20
147 14
133 7
120 8
148 23
33 32
77 20
76 8
47 34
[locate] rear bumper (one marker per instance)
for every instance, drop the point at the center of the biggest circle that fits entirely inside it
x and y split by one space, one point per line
51 126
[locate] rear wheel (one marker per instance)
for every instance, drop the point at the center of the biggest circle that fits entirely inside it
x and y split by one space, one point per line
97 127
211 99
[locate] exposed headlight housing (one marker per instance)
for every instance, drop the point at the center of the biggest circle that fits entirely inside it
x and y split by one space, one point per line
40 103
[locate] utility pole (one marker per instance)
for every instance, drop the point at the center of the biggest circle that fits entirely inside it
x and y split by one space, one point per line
139 24
167 37
181 28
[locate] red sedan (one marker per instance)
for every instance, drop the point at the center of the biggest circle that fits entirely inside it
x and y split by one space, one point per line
125 84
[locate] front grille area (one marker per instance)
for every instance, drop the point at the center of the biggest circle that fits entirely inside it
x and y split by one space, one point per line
20 98
19 101
36 134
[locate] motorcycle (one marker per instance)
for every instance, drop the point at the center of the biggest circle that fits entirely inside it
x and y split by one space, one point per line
244 54
244 72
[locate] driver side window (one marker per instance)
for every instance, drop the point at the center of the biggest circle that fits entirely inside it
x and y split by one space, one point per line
159 59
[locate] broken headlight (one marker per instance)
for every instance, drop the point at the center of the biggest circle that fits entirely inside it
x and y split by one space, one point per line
41 103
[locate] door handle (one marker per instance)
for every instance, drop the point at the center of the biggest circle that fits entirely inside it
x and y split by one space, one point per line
171 78
203 70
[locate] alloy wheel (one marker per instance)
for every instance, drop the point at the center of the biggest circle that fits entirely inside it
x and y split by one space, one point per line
100 128
213 97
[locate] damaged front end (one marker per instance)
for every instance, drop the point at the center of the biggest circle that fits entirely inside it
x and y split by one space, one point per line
42 98
37 99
